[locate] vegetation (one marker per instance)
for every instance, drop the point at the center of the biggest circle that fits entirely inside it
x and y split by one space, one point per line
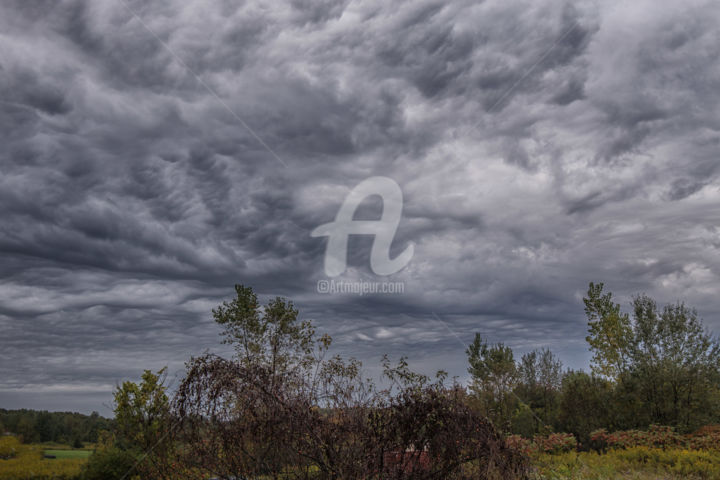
62 427
656 366
641 463
281 408
27 462
68 453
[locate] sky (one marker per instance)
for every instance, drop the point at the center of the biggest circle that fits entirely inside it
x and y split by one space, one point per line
155 154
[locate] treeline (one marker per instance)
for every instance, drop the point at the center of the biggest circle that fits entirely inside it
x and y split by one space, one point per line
651 366
71 428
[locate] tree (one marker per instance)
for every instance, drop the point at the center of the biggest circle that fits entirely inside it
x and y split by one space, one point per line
586 404
143 424
270 335
494 375
141 410
250 404
675 363
280 409
609 332
540 377
25 428
665 363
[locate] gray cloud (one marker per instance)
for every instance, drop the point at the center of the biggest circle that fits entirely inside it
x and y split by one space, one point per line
539 146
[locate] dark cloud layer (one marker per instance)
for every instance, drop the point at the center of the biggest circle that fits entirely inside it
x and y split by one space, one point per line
539 146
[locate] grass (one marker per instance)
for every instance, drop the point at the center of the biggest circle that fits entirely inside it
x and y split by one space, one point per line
69 453
26 462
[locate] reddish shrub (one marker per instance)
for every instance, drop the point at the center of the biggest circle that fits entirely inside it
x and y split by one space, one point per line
553 443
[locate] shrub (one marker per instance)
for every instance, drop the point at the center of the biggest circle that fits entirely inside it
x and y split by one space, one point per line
233 415
707 438
109 464
553 443
8 447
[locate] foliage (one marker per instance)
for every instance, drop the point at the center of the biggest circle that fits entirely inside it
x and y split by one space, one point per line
664 362
143 426
9 446
27 463
494 375
270 336
586 403
540 379
62 427
636 462
110 463
141 411
656 366
553 443
609 332
706 438
281 409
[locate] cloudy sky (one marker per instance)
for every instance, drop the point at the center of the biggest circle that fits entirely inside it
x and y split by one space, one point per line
153 154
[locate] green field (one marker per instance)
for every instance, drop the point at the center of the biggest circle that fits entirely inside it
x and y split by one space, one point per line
69 453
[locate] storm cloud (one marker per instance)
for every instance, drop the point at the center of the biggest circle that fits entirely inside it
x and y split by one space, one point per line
153 154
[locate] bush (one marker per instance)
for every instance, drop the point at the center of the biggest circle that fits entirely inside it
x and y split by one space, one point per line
230 418
109 464
8 447
553 443
707 438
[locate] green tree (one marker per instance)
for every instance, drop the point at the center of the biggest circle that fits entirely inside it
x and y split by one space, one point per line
494 375
540 377
609 331
142 411
586 404
45 427
665 363
270 336
675 363
25 428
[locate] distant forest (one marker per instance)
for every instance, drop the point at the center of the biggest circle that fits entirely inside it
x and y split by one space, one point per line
62 427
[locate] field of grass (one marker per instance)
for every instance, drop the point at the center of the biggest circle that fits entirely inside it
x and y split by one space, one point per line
64 453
